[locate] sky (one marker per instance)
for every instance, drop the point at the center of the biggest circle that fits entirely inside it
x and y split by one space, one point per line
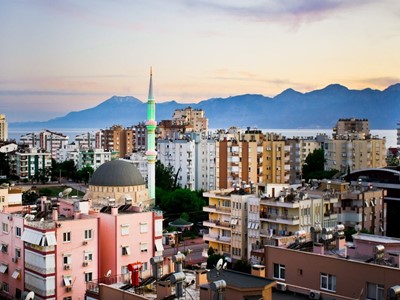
58 56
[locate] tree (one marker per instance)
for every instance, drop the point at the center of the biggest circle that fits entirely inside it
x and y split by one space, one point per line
242 266
4 164
313 167
165 178
85 173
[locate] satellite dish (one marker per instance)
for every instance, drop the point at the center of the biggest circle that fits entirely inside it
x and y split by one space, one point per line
60 194
41 220
219 264
108 274
66 192
225 265
30 296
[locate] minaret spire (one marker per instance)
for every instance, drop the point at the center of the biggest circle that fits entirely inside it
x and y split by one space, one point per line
151 153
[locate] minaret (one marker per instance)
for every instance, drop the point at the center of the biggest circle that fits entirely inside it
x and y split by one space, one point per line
151 153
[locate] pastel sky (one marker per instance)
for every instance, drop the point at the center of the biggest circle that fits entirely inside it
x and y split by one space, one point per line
58 56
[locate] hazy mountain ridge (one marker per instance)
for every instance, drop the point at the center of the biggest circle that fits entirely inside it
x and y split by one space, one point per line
290 109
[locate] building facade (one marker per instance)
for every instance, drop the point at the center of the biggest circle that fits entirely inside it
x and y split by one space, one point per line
29 163
118 139
3 128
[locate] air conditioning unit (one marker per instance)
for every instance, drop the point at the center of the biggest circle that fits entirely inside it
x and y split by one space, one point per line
58 225
10 217
85 264
69 289
85 243
67 267
280 286
314 295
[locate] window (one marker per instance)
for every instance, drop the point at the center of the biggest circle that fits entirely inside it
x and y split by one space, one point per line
67 280
17 253
124 229
144 266
143 227
88 255
124 270
88 276
126 250
5 227
67 298
328 282
279 271
67 236
4 248
375 291
67 259
18 231
143 247
88 234
5 287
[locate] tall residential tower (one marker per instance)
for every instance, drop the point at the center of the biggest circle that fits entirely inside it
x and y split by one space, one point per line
151 153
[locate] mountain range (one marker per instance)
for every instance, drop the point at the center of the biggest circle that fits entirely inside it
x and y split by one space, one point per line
288 110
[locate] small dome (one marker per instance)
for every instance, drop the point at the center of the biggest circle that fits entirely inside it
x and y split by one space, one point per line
117 173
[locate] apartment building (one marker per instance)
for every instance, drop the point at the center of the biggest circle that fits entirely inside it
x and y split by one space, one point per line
180 155
94 158
227 224
194 120
52 141
140 141
368 269
166 129
363 208
354 154
300 148
119 139
349 126
3 128
205 162
251 157
30 162
86 140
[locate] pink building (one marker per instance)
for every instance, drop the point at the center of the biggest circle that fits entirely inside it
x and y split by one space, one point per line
11 256
368 272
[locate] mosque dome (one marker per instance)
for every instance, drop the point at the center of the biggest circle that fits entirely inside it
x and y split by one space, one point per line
117 173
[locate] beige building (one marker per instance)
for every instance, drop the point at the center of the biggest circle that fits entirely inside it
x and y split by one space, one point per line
356 154
118 139
3 128
192 119
351 126
227 222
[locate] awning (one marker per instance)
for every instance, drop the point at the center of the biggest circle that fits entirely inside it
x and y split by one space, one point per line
67 280
51 239
3 268
234 221
39 238
16 273
257 225
159 245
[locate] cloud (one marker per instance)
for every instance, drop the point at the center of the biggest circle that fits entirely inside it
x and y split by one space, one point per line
295 11
379 82
47 93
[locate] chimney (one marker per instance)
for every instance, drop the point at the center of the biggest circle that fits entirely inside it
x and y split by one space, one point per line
318 248
114 211
55 214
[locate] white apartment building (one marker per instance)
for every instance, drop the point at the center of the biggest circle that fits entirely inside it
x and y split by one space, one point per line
93 157
31 139
205 158
3 128
86 140
180 155
68 152
194 120
51 141
30 162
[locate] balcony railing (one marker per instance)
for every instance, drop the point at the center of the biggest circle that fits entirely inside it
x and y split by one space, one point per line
93 286
50 292
217 238
213 223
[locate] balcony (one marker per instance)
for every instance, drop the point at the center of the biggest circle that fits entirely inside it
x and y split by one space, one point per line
215 209
44 293
40 269
280 219
217 223
217 239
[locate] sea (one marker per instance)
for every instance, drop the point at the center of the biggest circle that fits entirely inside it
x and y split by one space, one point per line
389 134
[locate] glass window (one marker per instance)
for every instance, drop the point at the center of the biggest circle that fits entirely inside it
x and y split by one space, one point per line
375 291
18 231
143 247
88 234
88 256
5 227
67 236
328 282
143 227
279 271
126 250
125 229
88 276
